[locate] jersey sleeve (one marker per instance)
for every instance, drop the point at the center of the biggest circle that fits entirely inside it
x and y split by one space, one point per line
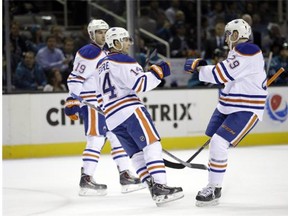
134 78
238 65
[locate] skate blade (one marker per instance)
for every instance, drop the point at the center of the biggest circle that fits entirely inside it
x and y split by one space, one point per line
206 204
92 192
164 199
132 187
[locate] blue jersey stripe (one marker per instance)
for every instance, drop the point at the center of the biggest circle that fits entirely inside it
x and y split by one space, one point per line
242 106
215 76
225 71
116 110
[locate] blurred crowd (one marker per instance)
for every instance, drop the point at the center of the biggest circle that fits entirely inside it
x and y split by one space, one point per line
41 55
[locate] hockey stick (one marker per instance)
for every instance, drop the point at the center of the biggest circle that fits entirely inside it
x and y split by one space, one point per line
149 57
98 109
275 76
183 165
186 164
269 62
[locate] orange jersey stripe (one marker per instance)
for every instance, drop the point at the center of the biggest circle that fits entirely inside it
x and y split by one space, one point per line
140 86
121 102
93 122
116 152
90 155
156 167
242 100
143 174
251 123
217 166
151 137
220 74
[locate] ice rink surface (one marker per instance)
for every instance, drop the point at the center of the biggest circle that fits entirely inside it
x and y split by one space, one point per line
256 183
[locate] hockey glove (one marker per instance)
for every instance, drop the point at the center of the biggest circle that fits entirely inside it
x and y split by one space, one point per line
160 70
72 107
191 65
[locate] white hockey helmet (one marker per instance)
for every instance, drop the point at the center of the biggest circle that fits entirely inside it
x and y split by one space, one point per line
116 33
94 25
239 25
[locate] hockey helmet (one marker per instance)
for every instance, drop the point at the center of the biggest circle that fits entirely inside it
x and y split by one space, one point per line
116 33
94 25
239 25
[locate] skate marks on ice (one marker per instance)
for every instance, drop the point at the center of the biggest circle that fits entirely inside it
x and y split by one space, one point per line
255 184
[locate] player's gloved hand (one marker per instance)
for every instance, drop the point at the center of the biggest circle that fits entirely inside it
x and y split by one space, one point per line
191 65
160 70
72 107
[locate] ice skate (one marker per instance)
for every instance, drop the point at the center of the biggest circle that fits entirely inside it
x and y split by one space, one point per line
130 183
88 187
162 194
208 196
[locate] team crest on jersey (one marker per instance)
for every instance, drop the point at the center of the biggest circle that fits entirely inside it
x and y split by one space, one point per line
277 108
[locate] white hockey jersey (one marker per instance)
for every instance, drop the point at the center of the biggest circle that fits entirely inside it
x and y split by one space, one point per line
81 80
244 78
119 79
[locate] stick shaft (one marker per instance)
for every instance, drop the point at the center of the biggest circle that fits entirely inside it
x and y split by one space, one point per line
275 76
149 57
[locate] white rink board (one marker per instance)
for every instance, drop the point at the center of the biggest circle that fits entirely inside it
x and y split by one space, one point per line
40 119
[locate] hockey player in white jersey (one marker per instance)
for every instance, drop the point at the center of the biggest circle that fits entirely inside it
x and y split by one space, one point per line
119 80
81 83
241 102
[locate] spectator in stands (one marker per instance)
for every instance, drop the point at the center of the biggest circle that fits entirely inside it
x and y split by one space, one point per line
171 11
54 81
82 38
232 11
216 41
215 14
15 58
37 41
163 27
18 41
29 75
147 22
179 18
278 61
155 10
69 53
256 36
179 44
50 57
58 33
274 37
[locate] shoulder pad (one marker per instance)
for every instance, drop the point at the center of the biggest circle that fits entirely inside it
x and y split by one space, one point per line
90 51
117 57
121 58
247 49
